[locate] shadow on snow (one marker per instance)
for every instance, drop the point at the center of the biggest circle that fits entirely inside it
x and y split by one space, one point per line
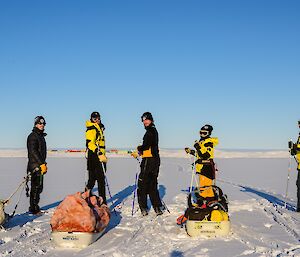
117 199
271 198
22 218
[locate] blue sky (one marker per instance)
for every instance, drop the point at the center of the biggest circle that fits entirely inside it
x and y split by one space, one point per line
232 64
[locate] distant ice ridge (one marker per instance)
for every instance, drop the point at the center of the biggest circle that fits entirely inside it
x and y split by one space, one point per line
172 153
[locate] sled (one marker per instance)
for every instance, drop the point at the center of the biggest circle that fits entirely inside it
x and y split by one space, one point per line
79 220
75 239
196 228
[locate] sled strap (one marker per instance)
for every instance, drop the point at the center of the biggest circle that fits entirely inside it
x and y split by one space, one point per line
19 186
14 211
27 187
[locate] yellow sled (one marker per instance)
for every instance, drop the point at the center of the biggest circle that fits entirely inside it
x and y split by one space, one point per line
75 239
196 228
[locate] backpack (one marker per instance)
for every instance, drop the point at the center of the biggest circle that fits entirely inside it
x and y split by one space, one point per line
200 208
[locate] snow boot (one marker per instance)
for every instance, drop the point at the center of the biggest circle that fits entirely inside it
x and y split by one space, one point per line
158 211
144 211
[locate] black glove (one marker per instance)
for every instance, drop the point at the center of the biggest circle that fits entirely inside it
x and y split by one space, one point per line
293 151
197 146
139 148
187 150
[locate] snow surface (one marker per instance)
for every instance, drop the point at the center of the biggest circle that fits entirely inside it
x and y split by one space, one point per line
262 224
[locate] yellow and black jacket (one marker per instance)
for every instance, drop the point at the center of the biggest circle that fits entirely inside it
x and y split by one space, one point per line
149 148
204 153
205 148
95 140
205 165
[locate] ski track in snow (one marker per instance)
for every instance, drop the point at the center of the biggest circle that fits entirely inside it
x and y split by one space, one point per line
260 226
32 239
287 220
160 236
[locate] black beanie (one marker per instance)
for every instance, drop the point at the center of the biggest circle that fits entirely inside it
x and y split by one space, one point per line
95 115
39 119
147 116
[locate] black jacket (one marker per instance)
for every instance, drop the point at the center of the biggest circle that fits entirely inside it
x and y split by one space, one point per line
37 149
150 139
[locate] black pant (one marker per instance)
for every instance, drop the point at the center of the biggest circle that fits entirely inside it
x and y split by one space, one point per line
147 183
298 191
96 173
37 181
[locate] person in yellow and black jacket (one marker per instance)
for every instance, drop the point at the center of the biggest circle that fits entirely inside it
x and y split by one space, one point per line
295 151
37 166
96 154
205 166
147 181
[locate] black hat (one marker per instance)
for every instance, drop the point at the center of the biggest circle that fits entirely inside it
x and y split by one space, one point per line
147 116
207 127
95 115
39 120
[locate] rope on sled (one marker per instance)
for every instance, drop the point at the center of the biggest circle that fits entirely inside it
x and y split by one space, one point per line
19 186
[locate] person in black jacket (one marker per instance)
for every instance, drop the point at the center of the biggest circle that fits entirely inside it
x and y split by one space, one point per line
147 182
37 166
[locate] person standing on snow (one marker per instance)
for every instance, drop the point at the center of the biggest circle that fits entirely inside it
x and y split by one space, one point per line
295 151
205 166
147 182
96 158
37 166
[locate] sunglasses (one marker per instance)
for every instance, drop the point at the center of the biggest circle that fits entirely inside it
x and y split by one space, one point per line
203 132
42 123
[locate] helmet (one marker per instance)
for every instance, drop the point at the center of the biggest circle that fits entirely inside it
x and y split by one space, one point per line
95 115
206 130
39 120
147 116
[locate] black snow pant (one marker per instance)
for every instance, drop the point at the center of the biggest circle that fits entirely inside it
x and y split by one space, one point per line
298 191
96 173
147 183
37 181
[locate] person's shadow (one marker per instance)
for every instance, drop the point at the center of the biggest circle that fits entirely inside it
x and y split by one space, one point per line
271 198
117 199
23 218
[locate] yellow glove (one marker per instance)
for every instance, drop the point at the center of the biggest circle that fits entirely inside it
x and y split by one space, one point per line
102 158
43 168
135 155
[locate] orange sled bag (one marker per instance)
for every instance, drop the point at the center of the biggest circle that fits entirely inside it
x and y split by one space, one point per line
80 212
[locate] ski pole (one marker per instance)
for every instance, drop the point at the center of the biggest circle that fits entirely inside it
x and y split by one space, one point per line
287 181
108 189
86 174
193 175
166 207
135 187
134 193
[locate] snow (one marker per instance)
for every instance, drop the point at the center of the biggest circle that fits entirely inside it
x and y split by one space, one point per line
255 183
